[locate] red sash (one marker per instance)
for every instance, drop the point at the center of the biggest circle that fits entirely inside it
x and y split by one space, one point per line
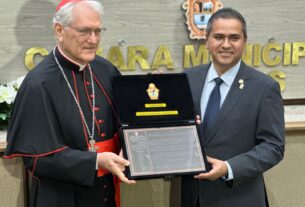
110 145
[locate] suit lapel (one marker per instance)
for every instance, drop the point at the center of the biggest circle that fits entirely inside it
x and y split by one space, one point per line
230 102
197 82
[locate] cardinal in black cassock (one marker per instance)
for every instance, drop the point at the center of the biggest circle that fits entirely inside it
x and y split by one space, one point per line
60 108
46 128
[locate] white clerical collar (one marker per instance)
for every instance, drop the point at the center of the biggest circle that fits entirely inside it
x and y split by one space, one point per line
81 67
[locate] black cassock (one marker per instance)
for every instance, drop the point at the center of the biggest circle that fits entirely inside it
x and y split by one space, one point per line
47 130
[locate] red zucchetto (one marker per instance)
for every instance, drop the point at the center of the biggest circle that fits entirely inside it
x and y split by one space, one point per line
64 2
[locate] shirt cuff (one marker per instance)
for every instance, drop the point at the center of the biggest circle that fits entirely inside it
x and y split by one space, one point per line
230 173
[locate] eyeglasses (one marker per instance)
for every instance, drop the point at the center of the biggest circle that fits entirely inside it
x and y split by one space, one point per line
86 31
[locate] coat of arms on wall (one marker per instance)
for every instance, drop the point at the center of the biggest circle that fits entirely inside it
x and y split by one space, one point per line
198 13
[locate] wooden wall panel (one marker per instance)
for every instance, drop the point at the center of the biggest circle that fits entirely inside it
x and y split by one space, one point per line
27 23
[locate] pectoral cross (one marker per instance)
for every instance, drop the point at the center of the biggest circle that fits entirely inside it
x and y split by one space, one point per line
92 148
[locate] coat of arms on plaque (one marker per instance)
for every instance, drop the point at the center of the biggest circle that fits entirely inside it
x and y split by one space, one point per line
198 13
153 91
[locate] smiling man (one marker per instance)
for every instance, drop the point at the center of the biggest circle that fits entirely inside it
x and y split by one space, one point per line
242 123
63 123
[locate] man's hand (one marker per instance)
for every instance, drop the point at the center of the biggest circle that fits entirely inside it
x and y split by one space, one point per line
219 169
115 164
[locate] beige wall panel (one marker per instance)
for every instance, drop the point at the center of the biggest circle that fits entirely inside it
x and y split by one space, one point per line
23 24
286 181
27 23
152 193
11 183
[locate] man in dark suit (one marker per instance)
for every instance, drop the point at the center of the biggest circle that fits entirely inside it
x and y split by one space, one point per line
244 137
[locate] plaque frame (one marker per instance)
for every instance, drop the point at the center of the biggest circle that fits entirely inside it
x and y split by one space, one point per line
139 150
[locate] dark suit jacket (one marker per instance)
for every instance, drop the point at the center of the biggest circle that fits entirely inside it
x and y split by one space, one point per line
248 133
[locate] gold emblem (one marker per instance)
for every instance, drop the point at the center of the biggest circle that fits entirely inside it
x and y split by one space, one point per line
198 13
241 83
153 91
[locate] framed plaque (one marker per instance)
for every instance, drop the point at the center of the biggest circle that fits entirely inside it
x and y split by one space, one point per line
158 132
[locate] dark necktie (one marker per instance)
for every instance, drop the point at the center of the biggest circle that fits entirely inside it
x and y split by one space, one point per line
213 106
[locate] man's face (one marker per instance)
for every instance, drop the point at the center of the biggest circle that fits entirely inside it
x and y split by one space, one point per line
226 43
80 39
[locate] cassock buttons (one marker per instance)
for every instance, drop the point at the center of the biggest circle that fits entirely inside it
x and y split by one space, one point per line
100 121
91 96
105 200
87 83
105 186
103 134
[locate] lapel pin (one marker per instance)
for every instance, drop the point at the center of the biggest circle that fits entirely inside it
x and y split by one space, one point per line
241 84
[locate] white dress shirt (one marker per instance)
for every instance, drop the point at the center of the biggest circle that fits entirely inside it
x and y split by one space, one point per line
228 78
